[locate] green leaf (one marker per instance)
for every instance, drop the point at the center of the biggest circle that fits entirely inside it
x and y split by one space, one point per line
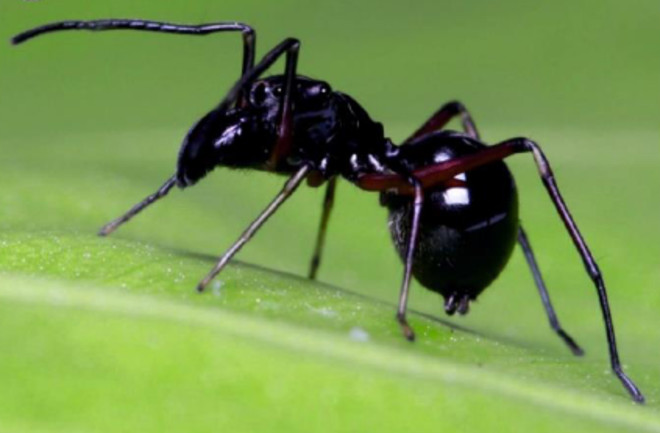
104 331
108 334
86 358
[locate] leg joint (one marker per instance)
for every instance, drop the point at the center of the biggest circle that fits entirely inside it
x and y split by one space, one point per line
455 107
594 272
523 144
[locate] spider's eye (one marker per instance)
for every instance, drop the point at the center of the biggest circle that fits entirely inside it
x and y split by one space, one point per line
258 95
277 91
324 89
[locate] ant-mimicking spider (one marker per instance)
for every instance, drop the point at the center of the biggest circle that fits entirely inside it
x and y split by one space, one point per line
453 206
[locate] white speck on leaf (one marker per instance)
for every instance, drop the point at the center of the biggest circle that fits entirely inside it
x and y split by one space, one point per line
323 311
358 334
216 288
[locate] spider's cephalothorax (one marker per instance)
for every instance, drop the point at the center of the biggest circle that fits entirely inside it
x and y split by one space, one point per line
452 201
330 132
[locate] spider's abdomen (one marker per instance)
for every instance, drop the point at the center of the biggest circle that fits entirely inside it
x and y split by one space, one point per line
467 232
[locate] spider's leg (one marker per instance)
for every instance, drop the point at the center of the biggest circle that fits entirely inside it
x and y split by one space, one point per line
441 117
285 128
160 193
328 201
543 291
234 93
249 37
589 262
287 47
248 32
289 188
440 173
444 171
410 252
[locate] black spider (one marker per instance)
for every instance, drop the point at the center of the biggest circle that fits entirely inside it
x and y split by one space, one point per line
452 202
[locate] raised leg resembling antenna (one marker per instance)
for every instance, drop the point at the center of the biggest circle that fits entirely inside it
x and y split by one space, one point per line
249 35
249 74
249 41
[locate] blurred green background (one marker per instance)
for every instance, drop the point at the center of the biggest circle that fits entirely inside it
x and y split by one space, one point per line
91 122
574 64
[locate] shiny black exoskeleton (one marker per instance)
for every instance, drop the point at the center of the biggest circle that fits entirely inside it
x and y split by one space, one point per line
332 134
452 201
466 232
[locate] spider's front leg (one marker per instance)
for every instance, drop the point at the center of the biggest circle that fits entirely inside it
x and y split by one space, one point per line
249 35
289 188
288 47
136 209
249 38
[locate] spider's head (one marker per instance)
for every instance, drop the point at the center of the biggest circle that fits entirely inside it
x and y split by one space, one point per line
311 100
314 109
308 95
222 138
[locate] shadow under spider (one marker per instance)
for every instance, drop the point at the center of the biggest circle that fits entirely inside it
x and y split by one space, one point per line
446 323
